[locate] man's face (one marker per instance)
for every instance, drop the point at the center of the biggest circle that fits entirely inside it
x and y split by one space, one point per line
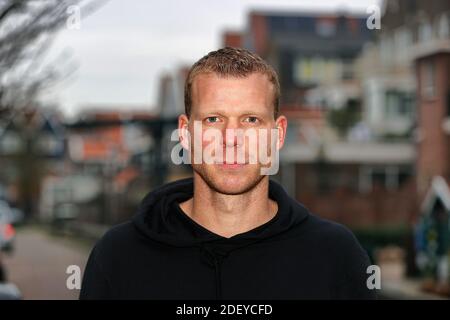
237 108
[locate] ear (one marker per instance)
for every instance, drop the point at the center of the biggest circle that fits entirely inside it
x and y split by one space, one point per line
281 125
183 131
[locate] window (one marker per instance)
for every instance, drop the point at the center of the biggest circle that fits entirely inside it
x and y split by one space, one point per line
314 70
11 143
444 26
403 40
49 145
399 104
347 69
386 50
325 28
425 32
385 177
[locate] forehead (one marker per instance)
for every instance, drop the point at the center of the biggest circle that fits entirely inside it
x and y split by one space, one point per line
251 93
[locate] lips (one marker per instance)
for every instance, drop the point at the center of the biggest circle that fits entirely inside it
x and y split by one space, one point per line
230 165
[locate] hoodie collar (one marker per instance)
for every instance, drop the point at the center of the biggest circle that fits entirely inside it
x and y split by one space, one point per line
161 219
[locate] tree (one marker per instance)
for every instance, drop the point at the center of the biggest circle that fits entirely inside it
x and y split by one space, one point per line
345 118
27 28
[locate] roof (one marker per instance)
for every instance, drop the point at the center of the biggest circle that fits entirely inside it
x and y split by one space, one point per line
99 144
439 190
34 117
308 13
316 32
119 113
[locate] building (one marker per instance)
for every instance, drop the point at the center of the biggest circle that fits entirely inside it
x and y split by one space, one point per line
307 49
431 58
171 104
354 178
110 165
433 237
232 39
32 145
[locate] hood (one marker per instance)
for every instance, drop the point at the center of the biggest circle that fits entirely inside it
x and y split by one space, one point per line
160 218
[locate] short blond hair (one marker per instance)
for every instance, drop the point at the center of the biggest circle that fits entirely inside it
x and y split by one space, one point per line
235 62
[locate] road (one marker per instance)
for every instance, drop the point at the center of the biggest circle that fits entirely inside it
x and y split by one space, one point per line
39 263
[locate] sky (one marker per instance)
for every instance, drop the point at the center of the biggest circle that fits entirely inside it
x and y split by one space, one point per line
123 48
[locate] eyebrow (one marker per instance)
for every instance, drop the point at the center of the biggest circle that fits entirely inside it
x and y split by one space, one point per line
244 113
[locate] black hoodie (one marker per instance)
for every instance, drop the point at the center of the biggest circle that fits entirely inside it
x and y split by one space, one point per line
164 254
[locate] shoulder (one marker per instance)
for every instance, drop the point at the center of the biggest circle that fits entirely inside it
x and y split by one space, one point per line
344 253
118 233
317 229
341 244
106 255
118 239
337 233
334 239
329 232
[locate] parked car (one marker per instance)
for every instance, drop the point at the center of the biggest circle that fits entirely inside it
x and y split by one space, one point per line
13 215
7 231
2 271
8 216
8 291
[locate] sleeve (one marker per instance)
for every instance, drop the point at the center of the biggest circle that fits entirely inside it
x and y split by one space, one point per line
95 284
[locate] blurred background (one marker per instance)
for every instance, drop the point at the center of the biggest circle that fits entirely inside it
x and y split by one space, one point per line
90 92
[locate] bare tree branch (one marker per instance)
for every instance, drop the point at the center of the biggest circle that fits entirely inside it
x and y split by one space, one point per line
27 29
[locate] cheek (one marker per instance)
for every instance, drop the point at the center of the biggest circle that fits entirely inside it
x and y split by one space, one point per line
200 139
263 140
213 138
206 140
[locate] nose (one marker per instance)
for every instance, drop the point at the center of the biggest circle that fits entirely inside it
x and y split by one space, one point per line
231 134
230 138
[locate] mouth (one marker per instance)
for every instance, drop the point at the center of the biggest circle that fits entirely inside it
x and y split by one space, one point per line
230 165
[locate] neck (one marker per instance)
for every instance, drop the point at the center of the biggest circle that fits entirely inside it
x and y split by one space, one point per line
229 215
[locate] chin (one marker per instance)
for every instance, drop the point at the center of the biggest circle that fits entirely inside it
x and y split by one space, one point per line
231 183
231 186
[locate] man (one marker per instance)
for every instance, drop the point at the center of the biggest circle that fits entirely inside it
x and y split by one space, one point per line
229 232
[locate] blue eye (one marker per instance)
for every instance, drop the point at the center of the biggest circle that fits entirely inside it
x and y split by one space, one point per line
212 119
252 119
